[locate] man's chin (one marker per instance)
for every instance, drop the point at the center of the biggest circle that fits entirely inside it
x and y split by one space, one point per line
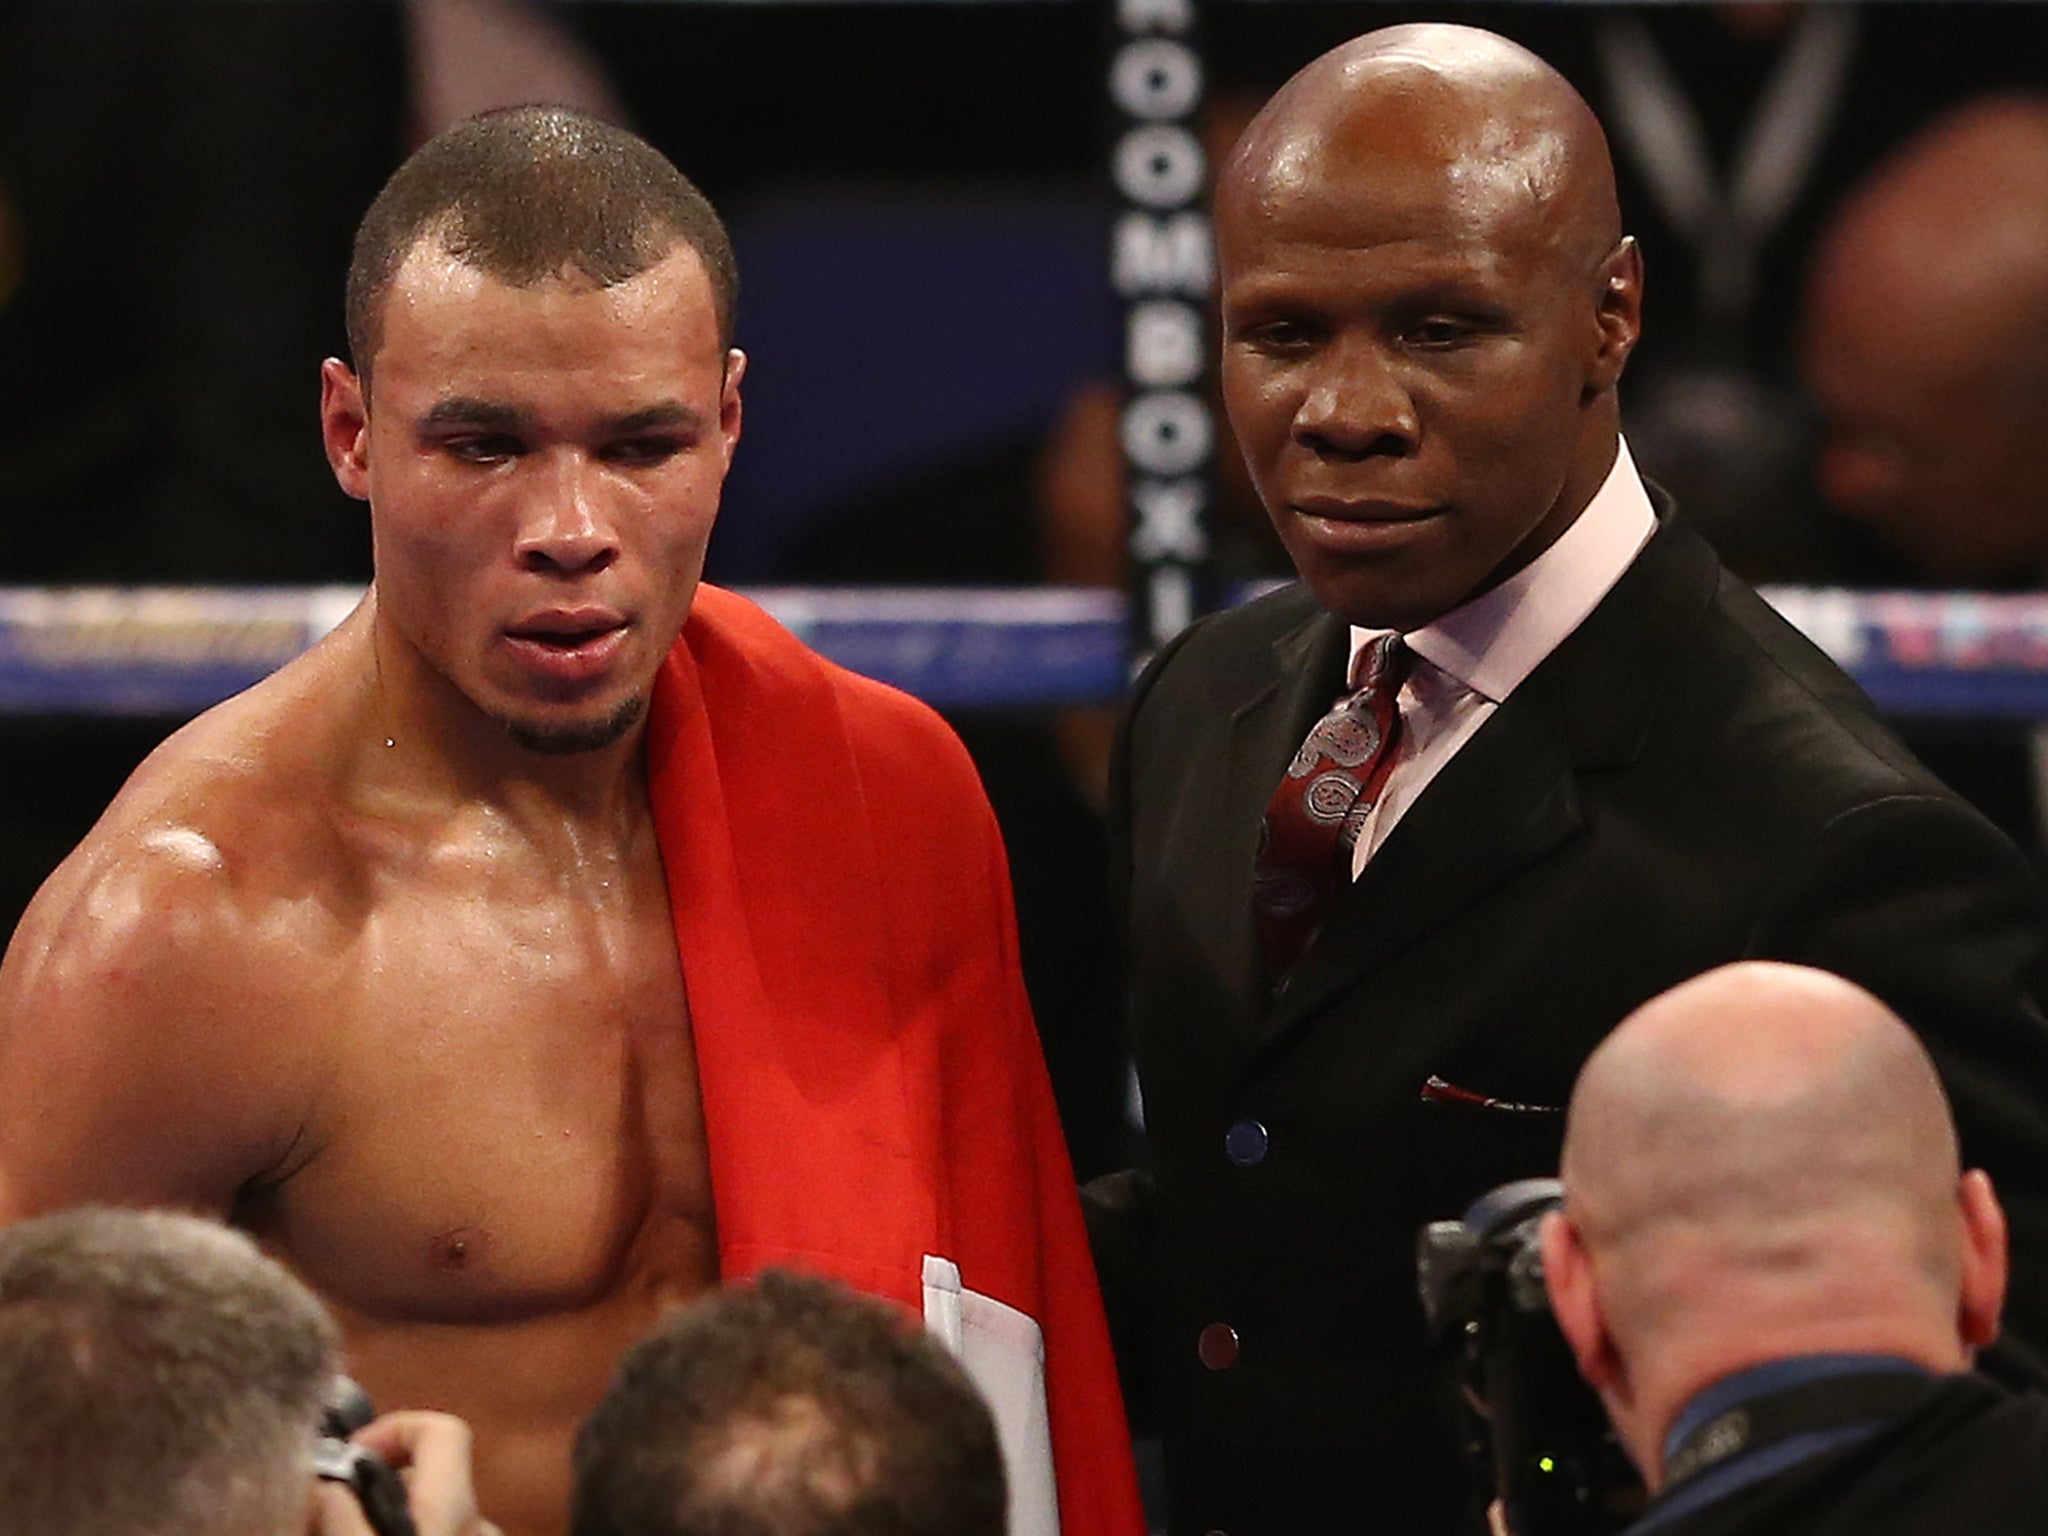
1369 605
567 738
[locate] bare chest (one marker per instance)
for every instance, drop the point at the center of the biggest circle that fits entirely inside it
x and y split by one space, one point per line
507 1125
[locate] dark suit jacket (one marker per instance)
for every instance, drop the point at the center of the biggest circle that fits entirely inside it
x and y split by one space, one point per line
1969 1458
1684 781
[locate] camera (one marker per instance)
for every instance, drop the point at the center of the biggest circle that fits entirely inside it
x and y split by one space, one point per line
379 1491
1538 1436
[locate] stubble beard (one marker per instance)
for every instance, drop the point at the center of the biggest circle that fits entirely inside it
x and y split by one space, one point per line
568 740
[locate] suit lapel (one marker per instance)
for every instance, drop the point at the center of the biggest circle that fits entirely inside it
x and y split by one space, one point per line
1267 730
1511 795
1505 800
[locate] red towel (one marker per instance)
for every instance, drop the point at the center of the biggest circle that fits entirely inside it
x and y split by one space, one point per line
872 1084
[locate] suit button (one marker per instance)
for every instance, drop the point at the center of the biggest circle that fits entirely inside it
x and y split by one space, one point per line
1245 1143
1217 1346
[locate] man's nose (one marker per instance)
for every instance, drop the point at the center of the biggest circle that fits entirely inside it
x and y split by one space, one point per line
566 528
1356 407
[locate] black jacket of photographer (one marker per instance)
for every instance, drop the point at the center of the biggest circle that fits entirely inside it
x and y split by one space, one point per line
1963 1455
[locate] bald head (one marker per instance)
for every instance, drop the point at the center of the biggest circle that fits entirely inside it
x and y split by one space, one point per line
1760 1164
1765 1104
1440 103
1925 341
1426 304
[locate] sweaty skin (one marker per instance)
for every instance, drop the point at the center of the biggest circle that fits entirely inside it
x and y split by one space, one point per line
376 958
1426 302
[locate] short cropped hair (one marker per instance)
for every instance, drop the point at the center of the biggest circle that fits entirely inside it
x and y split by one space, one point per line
158 1377
522 193
790 1407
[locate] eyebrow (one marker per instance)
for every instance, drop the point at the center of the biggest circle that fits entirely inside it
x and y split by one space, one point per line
462 411
668 413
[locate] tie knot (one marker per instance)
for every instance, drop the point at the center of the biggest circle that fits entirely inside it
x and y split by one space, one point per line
1382 664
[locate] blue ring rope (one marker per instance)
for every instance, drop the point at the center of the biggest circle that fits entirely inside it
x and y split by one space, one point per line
173 651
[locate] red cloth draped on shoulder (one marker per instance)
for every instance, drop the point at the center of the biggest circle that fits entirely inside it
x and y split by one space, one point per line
872 1084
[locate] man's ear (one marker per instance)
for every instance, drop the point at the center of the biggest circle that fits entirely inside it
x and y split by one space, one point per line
729 401
1618 313
1575 1301
1985 1260
345 427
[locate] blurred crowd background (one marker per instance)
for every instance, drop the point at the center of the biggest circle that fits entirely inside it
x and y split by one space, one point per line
1844 378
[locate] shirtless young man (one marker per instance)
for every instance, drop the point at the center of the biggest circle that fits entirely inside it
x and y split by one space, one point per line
380 958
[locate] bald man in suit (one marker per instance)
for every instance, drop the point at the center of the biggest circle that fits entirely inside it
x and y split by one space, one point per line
1563 761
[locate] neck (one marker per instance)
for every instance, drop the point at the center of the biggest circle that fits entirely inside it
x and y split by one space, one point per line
1600 447
416 737
1592 461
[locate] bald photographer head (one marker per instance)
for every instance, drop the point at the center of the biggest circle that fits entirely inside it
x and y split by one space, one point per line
1774 1270
159 1376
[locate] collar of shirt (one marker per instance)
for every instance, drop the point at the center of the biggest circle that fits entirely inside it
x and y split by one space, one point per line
1497 639
1471 659
1756 1381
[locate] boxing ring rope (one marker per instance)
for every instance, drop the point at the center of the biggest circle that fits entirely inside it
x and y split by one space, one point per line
173 651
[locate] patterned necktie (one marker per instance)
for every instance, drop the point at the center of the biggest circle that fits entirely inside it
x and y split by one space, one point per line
1321 806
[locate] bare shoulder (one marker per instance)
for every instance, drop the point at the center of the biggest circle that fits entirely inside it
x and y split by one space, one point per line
151 997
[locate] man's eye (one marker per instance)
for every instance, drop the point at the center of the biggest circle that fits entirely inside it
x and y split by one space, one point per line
1443 333
643 450
1279 336
483 448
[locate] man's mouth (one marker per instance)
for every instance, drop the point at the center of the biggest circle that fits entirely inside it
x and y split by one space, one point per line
1360 526
1360 509
568 647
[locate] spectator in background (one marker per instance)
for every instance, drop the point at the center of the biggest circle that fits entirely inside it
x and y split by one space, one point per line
789 1407
160 1377
1925 345
1736 127
1774 1271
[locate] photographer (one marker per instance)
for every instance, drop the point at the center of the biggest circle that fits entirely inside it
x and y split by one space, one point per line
789 1406
1773 1270
160 1377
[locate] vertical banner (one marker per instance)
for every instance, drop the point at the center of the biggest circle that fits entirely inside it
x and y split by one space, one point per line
1163 269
